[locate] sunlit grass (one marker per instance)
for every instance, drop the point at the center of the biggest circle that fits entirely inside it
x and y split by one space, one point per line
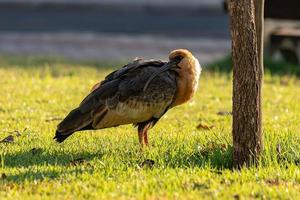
190 163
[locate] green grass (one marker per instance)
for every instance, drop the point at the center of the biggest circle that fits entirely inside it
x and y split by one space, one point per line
270 66
190 163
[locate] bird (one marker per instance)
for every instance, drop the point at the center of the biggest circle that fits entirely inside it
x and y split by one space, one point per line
139 93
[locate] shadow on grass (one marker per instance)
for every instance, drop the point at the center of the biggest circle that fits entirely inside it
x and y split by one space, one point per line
41 166
28 158
217 158
32 175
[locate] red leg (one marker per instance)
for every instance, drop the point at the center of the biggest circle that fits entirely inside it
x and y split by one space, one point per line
141 134
146 137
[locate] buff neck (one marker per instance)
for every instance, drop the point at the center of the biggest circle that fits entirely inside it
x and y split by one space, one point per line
187 80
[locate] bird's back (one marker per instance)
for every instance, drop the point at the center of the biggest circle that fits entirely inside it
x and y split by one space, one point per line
121 98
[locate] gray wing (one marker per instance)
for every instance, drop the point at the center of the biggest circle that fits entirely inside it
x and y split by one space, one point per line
109 86
120 98
131 104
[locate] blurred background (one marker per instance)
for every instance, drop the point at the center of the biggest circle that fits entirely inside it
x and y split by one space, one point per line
85 30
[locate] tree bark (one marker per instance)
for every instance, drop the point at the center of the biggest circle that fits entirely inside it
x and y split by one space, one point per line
259 6
247 57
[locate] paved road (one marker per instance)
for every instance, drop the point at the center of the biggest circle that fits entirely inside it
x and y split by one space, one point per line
113 32
210 3
170 21
90 46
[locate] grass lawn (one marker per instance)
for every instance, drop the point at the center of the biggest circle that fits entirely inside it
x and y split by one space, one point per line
189 162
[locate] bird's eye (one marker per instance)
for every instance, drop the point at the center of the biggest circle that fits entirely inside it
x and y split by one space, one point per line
178 58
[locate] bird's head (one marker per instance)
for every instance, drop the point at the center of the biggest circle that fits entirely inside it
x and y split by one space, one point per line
185 61
179 54
188 72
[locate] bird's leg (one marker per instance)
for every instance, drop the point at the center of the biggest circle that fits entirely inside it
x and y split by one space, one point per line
141 134
146 137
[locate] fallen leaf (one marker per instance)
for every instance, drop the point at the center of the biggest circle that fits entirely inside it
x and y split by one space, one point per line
272 181
35 151
148 163
77 161
205 126
284 81
224 113
236 196
278 150
223 146
24 130
216 171
8 139
200 186
195 186
3 176
17 133
90 165
53 119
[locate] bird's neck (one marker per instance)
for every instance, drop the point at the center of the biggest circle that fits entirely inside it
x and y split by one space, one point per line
187 82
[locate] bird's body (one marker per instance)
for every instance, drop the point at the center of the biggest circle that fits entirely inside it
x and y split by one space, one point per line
139 93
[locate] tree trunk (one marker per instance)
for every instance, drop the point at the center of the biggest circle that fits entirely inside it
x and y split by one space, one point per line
247 57
259 26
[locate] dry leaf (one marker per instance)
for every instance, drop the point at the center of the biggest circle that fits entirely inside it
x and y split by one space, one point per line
199 186
284 81
224 113
205 126
272 181
8 139
77 161
53 119
278 150
35 151
195 186
236 196
148 163
3 176
17 133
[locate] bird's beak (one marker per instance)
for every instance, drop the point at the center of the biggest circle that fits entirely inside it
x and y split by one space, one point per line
166 67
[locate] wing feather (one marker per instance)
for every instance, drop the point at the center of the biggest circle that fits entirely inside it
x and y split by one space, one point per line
120 99
136 105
